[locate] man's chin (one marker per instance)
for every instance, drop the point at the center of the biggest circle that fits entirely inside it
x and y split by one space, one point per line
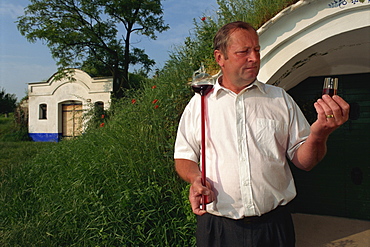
252 72
251 76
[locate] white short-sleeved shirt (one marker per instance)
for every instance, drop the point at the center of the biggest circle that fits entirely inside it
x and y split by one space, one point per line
248 137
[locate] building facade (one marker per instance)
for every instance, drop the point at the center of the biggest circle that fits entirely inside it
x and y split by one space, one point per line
57 106
302 45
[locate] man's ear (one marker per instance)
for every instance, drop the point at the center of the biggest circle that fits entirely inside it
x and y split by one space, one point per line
219 57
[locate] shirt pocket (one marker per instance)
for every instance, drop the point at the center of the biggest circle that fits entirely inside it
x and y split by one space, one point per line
272 138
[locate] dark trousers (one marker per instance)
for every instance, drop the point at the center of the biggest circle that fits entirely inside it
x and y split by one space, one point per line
275 229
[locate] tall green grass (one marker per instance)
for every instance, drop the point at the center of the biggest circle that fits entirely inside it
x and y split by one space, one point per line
10 131
115 185
17 153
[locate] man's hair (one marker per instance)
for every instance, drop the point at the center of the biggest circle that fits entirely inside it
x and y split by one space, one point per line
222 37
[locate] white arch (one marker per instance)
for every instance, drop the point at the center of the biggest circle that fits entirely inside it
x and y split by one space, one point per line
79 77
313 38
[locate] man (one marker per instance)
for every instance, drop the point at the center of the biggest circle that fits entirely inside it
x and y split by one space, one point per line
251 129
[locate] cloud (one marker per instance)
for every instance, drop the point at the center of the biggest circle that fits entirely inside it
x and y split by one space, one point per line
11 10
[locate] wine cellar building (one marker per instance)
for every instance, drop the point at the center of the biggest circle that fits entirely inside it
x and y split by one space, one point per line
303 44
57 106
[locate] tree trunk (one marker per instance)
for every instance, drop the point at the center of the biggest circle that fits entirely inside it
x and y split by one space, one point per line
126 62
117 83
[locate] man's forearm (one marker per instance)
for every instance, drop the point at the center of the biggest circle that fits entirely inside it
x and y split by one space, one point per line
188 170
310 153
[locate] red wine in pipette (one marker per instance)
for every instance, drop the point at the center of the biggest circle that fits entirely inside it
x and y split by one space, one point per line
203 90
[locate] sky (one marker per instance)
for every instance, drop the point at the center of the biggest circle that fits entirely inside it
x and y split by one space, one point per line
22 62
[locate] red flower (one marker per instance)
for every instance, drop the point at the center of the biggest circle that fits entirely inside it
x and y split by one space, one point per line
154 86
154 101
102 116
204 18
156 106
102 124
133 101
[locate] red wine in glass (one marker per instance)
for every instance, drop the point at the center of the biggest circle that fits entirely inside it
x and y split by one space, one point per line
202 89
330 86
329 91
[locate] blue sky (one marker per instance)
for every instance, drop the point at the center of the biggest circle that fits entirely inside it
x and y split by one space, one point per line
22 62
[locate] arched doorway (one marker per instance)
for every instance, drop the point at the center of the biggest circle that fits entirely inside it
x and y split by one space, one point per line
339 184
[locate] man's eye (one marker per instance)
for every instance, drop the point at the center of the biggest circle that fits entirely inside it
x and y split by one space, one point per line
242 52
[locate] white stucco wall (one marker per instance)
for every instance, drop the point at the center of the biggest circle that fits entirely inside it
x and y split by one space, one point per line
314 38
54 92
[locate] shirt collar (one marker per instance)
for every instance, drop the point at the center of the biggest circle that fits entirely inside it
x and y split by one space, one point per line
218 88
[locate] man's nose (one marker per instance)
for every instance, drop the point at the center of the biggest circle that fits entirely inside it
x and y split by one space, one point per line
254 56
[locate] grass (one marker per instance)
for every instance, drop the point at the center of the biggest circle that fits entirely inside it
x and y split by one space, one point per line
14 151
10 131
113 186
17 153
6 124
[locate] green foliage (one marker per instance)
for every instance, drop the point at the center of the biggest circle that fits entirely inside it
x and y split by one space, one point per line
256 12
7 102
95 118
198 48
11 131
13 123
6 124
86 33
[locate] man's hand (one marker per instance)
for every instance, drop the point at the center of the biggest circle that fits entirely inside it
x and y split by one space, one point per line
189 171
332 112
195 195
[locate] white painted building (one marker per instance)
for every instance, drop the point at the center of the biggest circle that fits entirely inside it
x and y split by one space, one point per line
300 46
315 38
56 106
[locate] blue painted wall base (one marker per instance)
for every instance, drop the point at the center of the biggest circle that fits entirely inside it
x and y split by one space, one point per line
46 137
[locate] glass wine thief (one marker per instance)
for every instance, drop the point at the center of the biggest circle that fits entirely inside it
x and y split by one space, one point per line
330 86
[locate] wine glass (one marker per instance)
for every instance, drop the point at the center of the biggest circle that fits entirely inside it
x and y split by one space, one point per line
202 82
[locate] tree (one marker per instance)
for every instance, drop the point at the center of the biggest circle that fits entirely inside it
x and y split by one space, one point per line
7 102
96 31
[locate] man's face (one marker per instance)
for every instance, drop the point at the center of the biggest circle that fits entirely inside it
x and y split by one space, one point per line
243 59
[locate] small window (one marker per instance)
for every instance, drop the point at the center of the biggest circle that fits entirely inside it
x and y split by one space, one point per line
99 109
99 104
42 111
